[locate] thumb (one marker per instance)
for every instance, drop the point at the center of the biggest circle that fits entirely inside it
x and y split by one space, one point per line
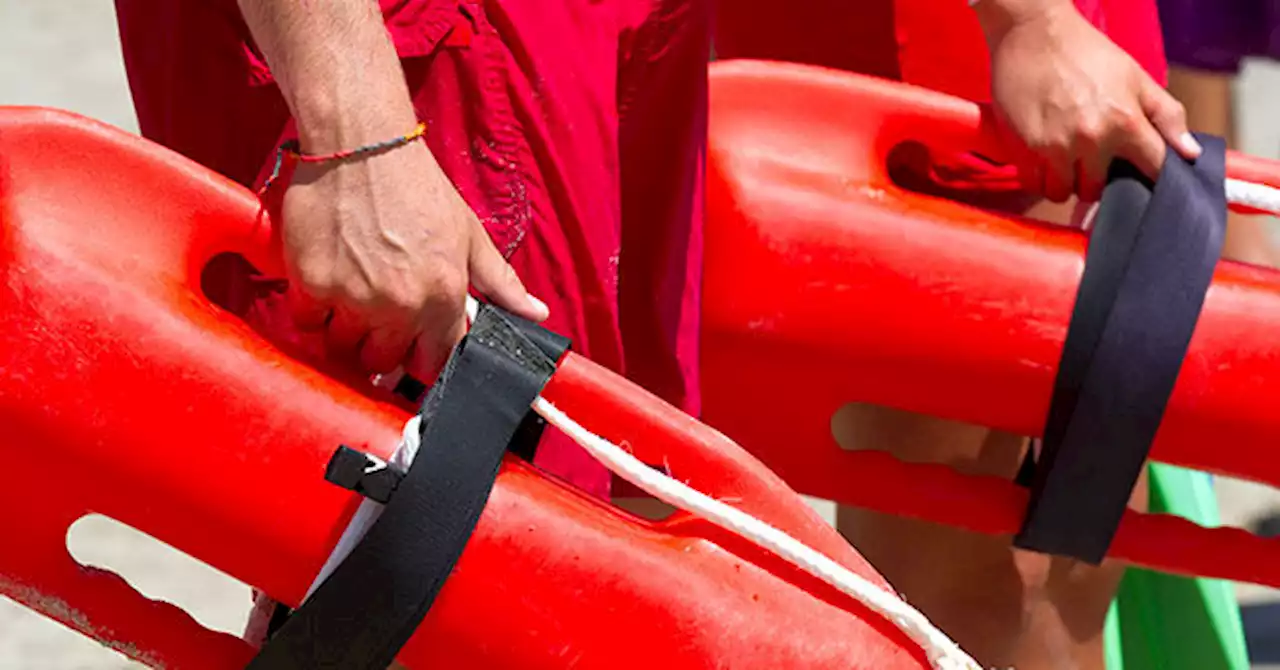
494 278
1169 118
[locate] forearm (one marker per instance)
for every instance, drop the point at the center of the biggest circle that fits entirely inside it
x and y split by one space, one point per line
337 68
998 16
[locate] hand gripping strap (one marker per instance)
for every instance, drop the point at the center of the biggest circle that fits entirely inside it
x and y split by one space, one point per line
365 612
1151 257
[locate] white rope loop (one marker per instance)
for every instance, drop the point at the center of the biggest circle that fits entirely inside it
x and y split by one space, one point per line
943 653
1258 196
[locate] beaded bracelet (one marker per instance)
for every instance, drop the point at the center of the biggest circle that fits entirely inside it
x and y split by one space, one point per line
291 151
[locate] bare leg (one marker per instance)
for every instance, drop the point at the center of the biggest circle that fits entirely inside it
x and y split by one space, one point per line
1208 98
1006 607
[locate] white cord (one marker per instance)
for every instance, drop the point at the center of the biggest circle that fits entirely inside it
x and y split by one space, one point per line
942 652
1258 196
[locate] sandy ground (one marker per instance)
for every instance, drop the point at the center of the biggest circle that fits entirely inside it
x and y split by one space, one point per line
65 54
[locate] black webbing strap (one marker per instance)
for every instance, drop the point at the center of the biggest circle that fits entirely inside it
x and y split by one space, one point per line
363 473
363 614
1151 258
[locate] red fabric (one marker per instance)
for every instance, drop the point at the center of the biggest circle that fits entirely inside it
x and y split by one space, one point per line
574 128
936 44
940 44
1135 26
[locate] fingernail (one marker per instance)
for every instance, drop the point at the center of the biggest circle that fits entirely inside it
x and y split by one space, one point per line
1190 144
540 308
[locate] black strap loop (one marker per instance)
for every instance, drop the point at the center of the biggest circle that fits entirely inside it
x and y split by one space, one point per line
1151 259
363 473
364 613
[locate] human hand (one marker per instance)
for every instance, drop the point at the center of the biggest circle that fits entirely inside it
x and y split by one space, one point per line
380 252
1074 99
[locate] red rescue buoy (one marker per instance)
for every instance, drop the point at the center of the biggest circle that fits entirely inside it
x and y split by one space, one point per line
124 391
826 283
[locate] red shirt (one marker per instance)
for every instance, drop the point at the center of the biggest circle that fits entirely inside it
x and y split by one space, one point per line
941 44
937 44
575 129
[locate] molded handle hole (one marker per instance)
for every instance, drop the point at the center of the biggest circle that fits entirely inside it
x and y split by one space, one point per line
160 572
231 282
968 178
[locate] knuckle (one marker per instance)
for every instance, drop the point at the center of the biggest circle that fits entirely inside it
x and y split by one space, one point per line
1092 131
1039 144
446 285
434 291
1058 145
316 279
438 291
357 292
1128 120
402 299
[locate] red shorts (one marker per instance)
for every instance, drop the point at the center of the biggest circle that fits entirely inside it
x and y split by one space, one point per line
575 129
936 44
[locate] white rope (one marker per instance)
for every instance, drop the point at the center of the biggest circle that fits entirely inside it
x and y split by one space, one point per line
1257 196
943 653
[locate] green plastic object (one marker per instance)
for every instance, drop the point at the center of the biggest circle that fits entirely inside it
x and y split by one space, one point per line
1163 622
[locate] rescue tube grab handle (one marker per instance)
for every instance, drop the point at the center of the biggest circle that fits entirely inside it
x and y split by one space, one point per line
159 279
799 187
902 113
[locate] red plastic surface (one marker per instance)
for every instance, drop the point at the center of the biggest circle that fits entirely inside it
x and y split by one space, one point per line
124 391
827 284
